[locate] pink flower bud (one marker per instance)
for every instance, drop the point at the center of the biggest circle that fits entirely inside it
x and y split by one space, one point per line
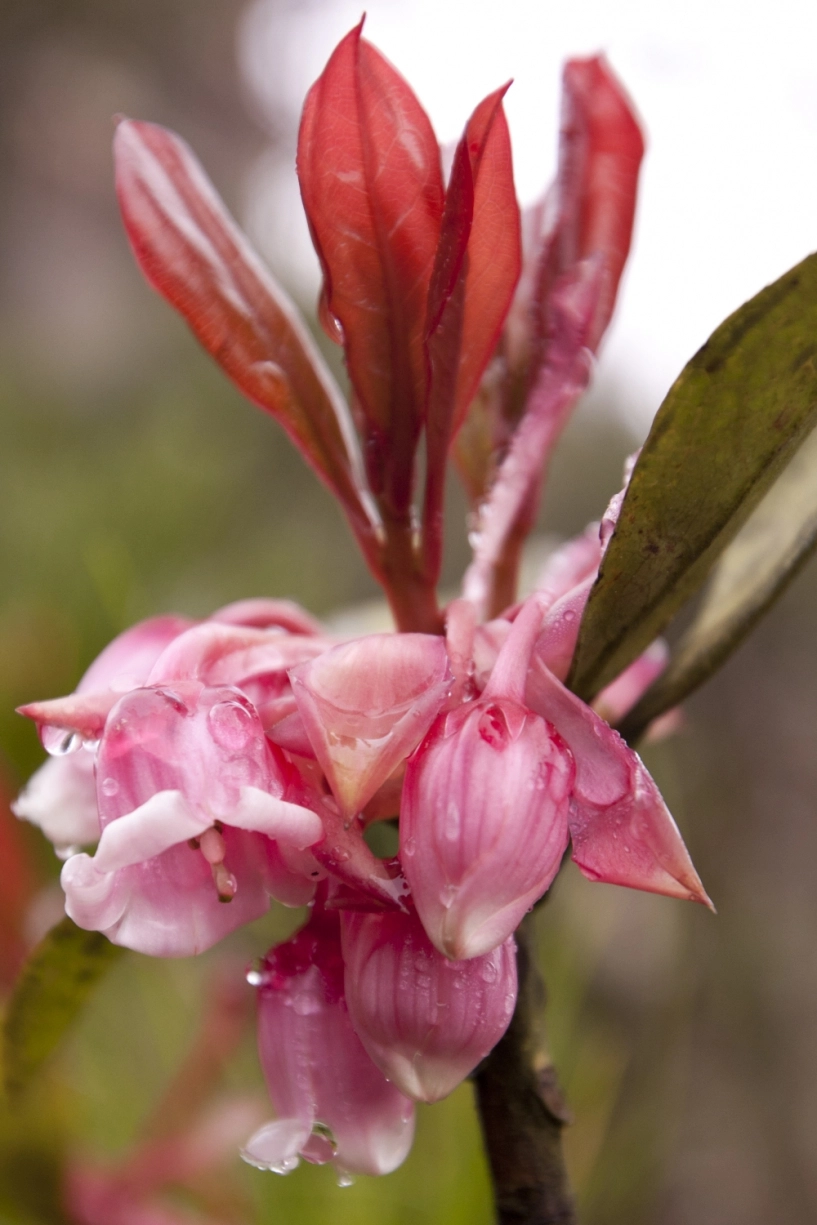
483 825
332 1103
425 1020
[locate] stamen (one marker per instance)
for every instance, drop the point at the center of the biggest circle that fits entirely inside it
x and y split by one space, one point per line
226 884
212 846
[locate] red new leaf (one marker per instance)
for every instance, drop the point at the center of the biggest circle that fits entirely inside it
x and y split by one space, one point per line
600 153
192 252
371 182
476 270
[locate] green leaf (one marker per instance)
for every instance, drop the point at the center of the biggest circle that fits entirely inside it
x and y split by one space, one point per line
50 993
768 551
729 425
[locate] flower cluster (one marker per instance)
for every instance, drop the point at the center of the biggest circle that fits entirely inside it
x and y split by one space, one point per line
220 764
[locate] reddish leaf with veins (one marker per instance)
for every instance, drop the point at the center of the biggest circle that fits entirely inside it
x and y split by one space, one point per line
371 181
476 270
192 252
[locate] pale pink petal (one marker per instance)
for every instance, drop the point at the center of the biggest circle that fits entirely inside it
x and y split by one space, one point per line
79 714
161 822
61 798
168 906
126 662
314 1063
290 733
621 829
622 694
264 614
207 743
560 628
460 633
426 1021
367 704
569 565
488 642
267 814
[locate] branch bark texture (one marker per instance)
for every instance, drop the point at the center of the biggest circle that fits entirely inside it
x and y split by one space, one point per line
522 1112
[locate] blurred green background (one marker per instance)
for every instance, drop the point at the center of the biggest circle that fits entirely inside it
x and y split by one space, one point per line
133 480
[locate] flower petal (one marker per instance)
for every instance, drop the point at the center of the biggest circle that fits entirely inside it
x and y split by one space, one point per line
621 829
285 822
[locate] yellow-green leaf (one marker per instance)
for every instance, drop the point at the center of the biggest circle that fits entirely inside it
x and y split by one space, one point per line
769 550
727 428
50 993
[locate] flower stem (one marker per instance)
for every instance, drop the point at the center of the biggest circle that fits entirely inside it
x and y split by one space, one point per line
522 1111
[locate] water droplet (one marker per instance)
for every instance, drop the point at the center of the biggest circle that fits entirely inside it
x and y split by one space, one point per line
173 698
569 615
255 978
231 725
447 895
329 322
451 825
345 1179
109 786
489 973
284 1167
343 856
59 742
409 847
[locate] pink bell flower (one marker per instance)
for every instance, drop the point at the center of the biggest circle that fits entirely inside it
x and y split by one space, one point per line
425 1020
483 824
189 792
331 1102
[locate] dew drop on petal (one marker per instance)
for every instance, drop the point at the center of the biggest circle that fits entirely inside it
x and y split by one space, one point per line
409 847
58 742
286 1166
447 895
109 786
489 973
231 725
345 1179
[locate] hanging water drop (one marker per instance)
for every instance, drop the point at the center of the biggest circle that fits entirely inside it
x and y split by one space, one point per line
59 742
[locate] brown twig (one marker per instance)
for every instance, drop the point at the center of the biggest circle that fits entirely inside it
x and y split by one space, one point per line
522 1111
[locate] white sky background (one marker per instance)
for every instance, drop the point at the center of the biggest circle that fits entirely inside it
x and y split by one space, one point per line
727 93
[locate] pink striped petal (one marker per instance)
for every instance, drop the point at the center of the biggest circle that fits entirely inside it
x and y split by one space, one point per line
621 829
